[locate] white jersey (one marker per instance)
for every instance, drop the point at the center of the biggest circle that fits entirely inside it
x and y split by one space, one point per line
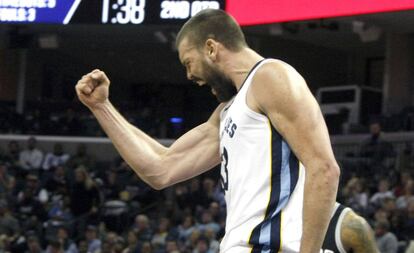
263 181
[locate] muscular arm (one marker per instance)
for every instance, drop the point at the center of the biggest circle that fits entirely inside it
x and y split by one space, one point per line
280 92
191 155
357 235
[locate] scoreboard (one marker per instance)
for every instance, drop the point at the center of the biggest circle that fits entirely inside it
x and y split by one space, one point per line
134 12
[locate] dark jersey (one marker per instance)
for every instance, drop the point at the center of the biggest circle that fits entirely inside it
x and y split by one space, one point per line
332 242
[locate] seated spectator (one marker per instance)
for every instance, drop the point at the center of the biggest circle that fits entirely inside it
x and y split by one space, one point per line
83 246
386 241
68 245
186 228
404 177
146 247
9 225
56 158
408 195
54 247
202 245
383 192
112 187
356 195
159 238
32 184
7 181
408 225
94 243
31 158
12 156
132 240
81 158
33 245
171 246
57 185
30 211
142 228
207 222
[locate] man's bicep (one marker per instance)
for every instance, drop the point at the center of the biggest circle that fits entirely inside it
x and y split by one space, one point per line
285 98
195 152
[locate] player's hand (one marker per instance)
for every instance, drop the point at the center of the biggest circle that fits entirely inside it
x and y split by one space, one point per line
93 88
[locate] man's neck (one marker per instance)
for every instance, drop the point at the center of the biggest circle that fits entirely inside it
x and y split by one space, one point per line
240 64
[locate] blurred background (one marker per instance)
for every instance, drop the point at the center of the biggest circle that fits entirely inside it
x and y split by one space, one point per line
63 187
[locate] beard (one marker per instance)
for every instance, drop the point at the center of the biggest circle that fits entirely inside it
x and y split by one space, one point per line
222 85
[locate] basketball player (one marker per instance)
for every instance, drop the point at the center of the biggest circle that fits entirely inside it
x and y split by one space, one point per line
348 232
266 131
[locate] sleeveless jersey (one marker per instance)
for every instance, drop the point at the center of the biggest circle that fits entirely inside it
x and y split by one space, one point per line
263 181
332 242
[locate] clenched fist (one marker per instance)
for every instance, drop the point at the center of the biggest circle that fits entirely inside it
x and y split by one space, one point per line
93 88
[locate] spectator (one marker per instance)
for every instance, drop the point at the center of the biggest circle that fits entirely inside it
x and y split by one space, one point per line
214 244
383 192
83 246
33 245
32 157
54 247
56 158
9 225
146 247
112 187
132 241
94 243
57 184
12 155
142 228
7 181
203 245
84 198
404 177
208 223
68 245
160 236
355 195
386 241
377 150
186 228
32 184
171 246
81 158
408 196
408 227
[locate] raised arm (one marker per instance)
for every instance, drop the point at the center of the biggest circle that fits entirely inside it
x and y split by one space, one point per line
281 93
159 166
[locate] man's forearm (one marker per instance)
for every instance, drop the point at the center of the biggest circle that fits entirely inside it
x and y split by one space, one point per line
319 198
136 150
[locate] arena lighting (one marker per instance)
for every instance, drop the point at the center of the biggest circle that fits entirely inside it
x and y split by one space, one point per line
176 120
249 12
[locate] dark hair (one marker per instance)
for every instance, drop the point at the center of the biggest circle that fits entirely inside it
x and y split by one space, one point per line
213 24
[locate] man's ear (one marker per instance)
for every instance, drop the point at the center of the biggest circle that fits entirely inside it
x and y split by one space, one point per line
211 49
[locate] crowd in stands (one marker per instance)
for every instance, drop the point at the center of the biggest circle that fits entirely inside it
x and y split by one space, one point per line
55 202
73 119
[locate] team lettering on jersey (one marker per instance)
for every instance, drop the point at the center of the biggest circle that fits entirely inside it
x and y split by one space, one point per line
326 251
229 127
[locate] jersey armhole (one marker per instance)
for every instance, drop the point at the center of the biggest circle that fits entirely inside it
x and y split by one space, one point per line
338 230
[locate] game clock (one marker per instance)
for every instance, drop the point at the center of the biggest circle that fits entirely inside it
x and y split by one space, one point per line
139 11
108 12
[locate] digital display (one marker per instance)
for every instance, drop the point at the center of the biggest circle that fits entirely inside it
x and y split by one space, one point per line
133 12
248 12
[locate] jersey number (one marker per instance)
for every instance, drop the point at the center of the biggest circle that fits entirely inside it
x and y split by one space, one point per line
224 163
